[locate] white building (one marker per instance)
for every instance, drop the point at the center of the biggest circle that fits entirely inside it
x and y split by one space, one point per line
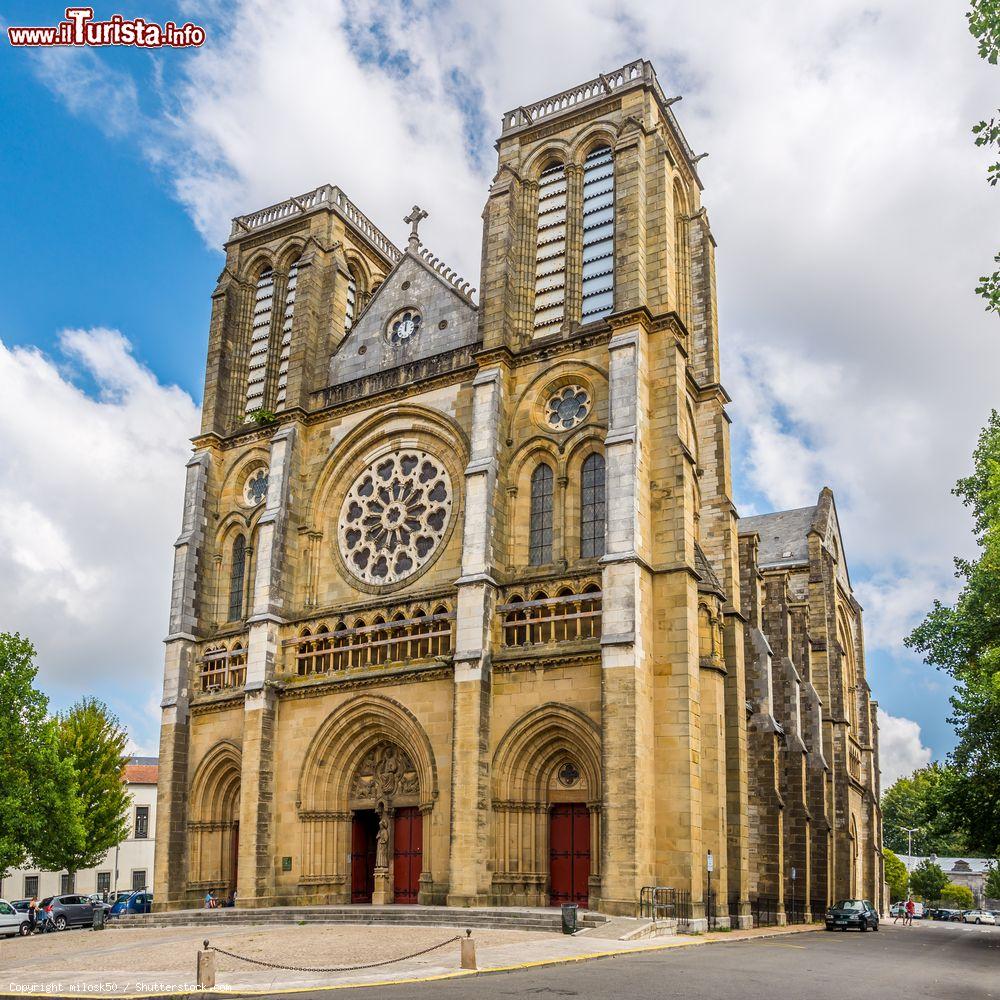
970 872
127 866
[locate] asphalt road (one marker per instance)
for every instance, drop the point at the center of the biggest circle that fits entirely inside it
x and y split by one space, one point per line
928 960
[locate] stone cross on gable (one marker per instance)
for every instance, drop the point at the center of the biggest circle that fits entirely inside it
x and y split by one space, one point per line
417 214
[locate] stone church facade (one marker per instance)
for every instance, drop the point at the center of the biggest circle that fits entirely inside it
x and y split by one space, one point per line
462 610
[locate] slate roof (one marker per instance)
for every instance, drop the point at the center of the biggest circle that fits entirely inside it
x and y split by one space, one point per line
784 535
977 866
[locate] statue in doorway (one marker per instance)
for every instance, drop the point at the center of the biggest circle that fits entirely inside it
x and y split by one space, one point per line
382 840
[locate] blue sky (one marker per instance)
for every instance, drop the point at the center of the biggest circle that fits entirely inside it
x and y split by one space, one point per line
855 351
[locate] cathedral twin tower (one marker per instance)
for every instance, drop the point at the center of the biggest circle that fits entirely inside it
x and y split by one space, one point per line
462 610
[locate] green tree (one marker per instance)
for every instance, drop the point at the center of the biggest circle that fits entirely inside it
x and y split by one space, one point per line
38 788
920 802
991 888
895 875
984 23
964 641
928 880
960 896
93 741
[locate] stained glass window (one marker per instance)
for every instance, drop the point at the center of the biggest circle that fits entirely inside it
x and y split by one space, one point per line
236 578
592 514
540 528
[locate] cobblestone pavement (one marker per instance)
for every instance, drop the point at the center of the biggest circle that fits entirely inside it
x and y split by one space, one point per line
147 961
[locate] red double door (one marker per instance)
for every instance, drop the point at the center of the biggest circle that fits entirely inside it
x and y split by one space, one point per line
569 854
407 855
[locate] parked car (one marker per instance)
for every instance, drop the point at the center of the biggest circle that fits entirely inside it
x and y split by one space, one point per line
852 913
68 910
21 905
139 901
897 910
944 913
979 917
12 921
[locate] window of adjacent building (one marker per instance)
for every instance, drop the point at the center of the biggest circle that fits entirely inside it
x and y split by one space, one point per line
141 822
260 335
550 253
286 335
30 886
139 878
540 528
66 884
592 507
236 575
598 234
104 882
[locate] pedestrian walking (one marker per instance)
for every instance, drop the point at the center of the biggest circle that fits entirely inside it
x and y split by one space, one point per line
909 913
32 914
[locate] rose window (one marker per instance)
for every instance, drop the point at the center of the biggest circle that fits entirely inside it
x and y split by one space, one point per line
394 517
255 488
567 408
404 326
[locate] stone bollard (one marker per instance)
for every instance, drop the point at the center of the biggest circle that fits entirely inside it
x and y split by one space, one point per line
206 968
468 951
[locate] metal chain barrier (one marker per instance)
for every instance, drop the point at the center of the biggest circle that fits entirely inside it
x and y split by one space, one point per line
346 968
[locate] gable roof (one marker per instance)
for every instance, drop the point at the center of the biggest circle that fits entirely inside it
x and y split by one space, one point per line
142 771
784 536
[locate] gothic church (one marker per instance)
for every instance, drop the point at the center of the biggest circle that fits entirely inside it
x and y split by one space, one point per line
462 609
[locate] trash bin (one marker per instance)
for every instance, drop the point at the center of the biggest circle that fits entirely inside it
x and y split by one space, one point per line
99 912
569 918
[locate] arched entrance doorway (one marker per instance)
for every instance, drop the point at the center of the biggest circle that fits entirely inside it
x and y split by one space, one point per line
214 828
546 805
365 804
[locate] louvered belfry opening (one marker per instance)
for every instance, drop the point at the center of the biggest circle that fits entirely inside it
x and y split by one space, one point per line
260 336
598 234
550 257
286 336
352 298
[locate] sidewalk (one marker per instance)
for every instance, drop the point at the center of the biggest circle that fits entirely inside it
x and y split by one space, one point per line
112 964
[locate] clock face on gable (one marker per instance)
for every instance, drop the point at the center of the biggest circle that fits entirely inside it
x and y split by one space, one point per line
403 326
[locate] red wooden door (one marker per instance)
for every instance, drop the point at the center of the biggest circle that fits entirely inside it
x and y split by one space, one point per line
364 832
407 854
569 854
234 854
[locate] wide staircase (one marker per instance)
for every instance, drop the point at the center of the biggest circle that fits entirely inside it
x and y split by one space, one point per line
504 918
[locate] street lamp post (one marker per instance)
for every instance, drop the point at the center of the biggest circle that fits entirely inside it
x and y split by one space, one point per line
709 866
909 831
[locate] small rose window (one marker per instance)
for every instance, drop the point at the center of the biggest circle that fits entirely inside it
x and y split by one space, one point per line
255 488
404 326
567 408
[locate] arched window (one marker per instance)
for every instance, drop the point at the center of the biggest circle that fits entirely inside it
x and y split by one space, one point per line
260 335
286 335
592 506
598 235
352 301
540 528
682 255
236 575
550 253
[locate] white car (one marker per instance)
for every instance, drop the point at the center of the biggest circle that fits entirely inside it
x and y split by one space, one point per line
12 922
979 917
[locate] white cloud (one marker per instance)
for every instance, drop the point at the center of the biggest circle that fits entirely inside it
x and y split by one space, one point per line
91 492
901 751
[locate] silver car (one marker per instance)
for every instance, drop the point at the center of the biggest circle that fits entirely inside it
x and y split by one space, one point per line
12 922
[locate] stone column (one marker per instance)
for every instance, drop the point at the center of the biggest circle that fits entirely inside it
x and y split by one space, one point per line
170 864
256 861
626 692
469 864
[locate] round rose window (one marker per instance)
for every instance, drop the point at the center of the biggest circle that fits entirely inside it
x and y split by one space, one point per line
255 488
395 516
567 408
